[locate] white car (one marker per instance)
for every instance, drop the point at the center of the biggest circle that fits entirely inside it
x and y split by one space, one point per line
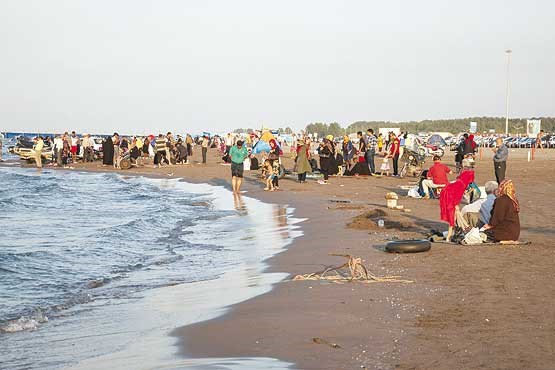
97 146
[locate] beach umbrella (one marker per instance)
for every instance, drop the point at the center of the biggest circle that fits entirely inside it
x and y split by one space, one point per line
263 145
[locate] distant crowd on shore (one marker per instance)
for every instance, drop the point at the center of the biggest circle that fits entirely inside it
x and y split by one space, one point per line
343 156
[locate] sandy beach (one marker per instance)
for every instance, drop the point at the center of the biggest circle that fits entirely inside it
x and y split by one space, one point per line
467 307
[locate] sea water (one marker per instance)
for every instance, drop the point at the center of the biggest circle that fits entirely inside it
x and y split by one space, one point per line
97 269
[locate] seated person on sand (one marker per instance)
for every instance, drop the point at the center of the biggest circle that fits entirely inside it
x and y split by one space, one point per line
451 197
437 177
477 214
504 224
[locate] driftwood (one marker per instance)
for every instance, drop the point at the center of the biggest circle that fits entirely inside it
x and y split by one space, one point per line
327 343
352 270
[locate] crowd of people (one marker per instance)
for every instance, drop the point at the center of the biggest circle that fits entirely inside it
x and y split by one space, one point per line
495 213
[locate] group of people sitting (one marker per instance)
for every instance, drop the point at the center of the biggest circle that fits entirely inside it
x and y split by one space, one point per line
495 214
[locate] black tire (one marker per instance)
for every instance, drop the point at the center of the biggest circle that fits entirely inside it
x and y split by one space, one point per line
408 246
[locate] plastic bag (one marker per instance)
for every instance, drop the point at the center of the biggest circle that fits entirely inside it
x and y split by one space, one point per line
413 192
473 236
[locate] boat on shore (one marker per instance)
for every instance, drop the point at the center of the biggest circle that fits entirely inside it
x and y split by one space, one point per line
24 149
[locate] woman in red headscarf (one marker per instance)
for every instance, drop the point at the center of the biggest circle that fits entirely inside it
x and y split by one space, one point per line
450 198
504 225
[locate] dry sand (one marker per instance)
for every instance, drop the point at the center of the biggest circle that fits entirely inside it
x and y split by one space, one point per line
469 307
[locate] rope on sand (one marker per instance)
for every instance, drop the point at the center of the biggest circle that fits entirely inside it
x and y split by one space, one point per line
352 270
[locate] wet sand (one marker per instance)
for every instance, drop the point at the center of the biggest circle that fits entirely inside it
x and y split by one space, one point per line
472 307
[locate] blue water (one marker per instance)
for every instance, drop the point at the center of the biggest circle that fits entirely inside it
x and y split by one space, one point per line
77 249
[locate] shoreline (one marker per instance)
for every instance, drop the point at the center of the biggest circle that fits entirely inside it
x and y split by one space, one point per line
204 299
436 322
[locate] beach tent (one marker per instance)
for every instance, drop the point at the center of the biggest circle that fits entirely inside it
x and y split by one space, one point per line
263 145
436 140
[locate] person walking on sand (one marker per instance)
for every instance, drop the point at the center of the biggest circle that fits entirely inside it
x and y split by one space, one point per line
500 159
326 152
238 154
74 146
204 148
38 151
394 152
539 143
117 150
107 152
87 144
302 164
189 142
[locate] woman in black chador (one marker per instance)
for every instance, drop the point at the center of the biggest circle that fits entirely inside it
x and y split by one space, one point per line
108 152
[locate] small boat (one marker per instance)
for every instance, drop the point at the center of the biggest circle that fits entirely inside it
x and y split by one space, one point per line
24 149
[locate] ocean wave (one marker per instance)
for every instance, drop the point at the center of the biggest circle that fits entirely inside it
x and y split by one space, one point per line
103 238
24 323
4 269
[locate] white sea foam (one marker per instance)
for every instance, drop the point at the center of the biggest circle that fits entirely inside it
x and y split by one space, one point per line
24 323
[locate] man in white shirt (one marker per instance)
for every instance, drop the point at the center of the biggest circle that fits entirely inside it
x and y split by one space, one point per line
58 149
228 142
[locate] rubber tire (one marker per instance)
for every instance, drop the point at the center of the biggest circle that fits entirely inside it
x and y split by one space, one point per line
408 246
125 164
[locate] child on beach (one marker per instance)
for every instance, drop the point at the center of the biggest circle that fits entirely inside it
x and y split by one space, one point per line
275 169
385 166
268 174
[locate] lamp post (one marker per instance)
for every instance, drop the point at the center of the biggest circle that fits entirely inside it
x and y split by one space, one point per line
508 52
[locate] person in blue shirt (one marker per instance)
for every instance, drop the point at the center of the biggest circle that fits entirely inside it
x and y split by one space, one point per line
487 205
500 159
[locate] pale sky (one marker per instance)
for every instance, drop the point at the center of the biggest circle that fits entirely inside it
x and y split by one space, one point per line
188 66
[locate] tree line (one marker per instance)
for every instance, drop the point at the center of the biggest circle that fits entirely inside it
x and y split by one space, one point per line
516 126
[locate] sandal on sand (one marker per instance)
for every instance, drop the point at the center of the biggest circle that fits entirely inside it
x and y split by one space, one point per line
266 189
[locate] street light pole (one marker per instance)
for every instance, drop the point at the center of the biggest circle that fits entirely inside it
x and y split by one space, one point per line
508 52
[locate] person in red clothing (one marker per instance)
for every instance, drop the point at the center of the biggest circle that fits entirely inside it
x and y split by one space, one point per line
394 151
450 198
437 176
